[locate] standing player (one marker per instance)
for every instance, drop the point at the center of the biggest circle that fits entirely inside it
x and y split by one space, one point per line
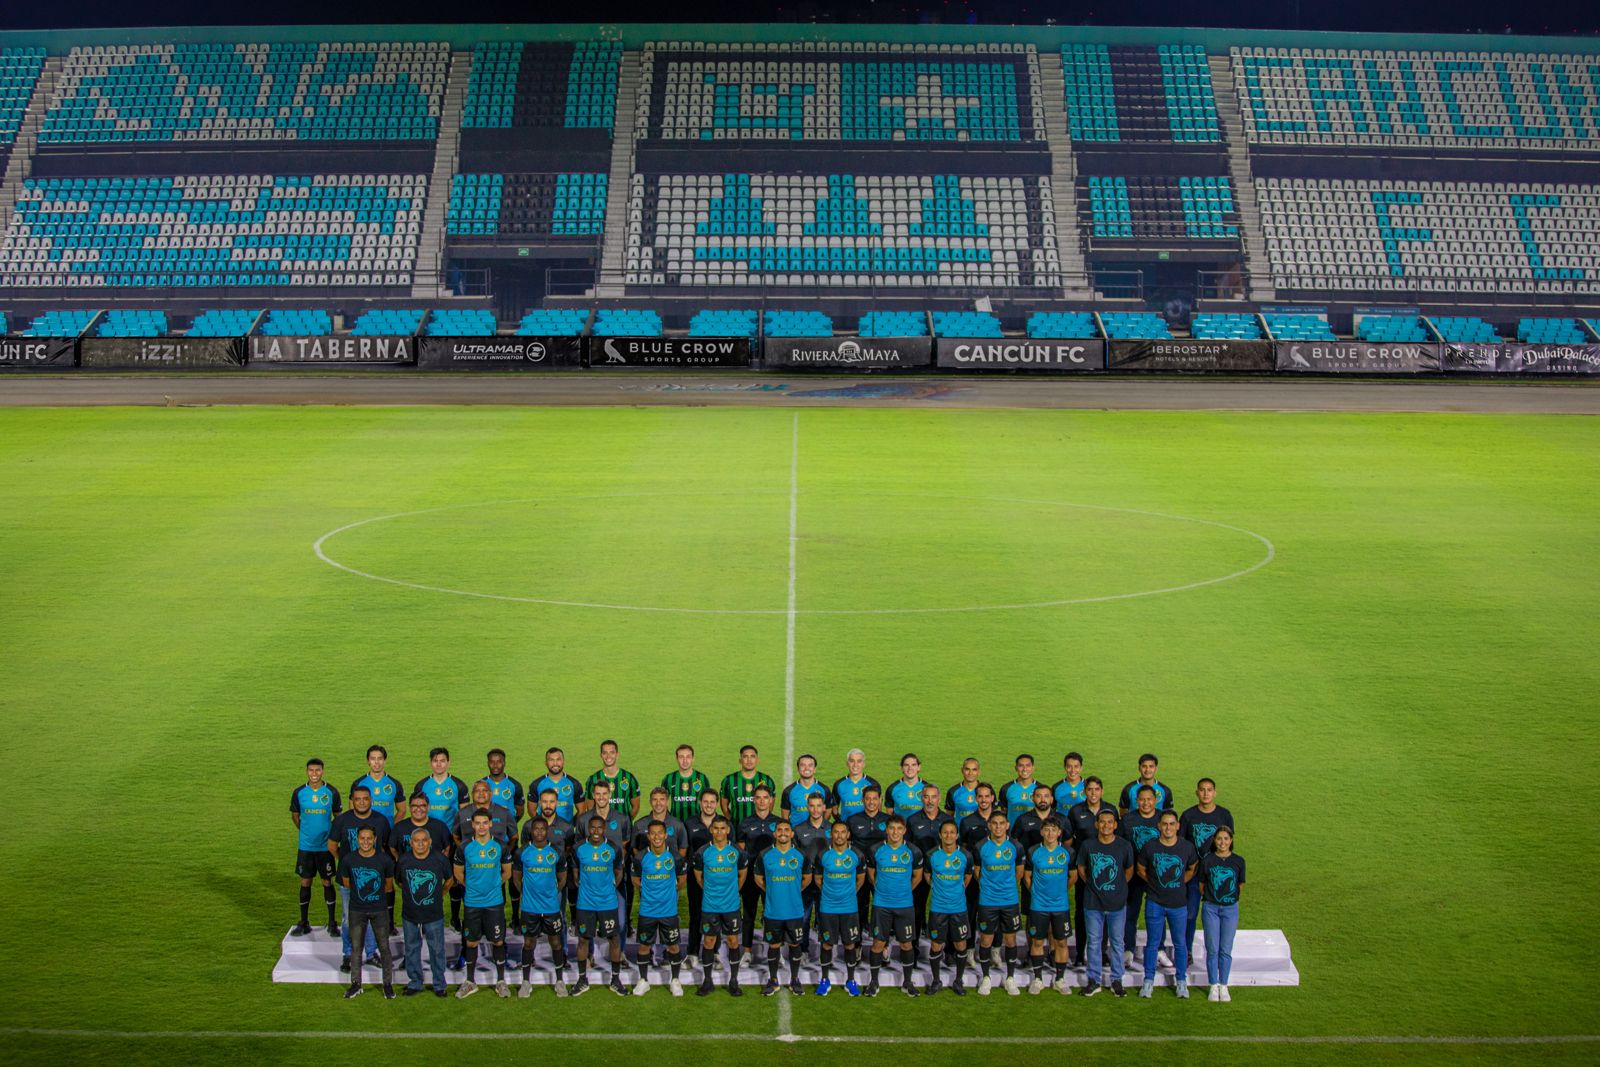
1221 875
999 907
949 869
811 836
1140 826
598 863
542 874
504 790
848 790
755 834
1129 799
961 799
677 833
922 830
569 794
1082 819
1166 866
792 802
1197 825
895 870
624 786
1069 790
422 875
1016 797
342 840
385 790
974 832
483 863
685 785
658 875
699 831
1105 866
312 807
905 796
721 869
1028 830
868 828
780 873
618 830
841 873
503 821
445 794
1049 875
738 790
367 874
559 833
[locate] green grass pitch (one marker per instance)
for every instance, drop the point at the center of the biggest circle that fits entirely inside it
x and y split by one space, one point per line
1400 708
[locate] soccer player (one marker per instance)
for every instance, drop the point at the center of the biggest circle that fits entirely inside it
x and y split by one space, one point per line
685 785
755 834
949 870
483 863
445 794
841 873
999 907
793 799
721 868
439 838
895 870
422 874
598 862
905 796
312 807
1082 819
1069 790
658 875
811 836
1166 865
847 791
1221 875
1105 866
780 874
1016 797
504 790
342 840
974 832
1028 830
367 874
1048 876
624 786
542 874
559 831
1197 825
922 830
385 790
961 799
677 832
1140 826
1146 780
868 828
618 831
503 821
569 794
699 830
738 790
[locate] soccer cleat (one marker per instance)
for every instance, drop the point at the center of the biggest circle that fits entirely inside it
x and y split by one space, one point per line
525 990
910 988
705 987
333 929
467 989
616 987
985 987
502 990
300 930
1227 997
344 965
796 989
744 960
871 990
1063 986
1092 988
351 992
770 989
934 987
372 960
1011 986
824 987
735 989
994 957
1215 994
1036 986
958 989
559 986
641 987
851 987
1183 990
457 964
1147 990
675 987
1117 990
388 992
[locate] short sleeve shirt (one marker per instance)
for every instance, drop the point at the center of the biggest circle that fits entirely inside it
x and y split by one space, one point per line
421 884
366 875
1103 866
997 873
719 876
1220 878
1164 866
838 870
947 879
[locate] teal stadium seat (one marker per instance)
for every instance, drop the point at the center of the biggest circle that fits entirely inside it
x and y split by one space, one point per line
133 323
893 324
1134 325
724 323
1391 329
298 322
553 322
626 322
1464 330
966 324
786 322
388 322
60 324
1298 327
1230 326
224 322
1062 324
19 73
1538 331
462 322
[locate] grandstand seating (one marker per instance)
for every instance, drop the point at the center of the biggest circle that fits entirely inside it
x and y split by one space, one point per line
1160 207
19 72
1068 324
462 322
296 322
542 84
966 324
1134 325
1463 329
1292 327
553 322
249 92
614 322
893 324
785 322
1551 332
1139 93
3 325
203 231
730 323
388 322
224 322
125 322
60 323
1387 329
527 205
1225 326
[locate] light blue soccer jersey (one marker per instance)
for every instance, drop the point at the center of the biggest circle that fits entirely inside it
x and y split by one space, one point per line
719 874
795 796
658 883
894 865
961 801
782 870
540 867
568 793
316 808
597 872
997 874
1068 794
386 791
481 872
838 870
847 794
1052 870
444 798
947 871
506 793
905 799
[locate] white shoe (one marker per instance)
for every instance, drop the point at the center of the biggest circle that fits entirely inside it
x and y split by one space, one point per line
1063 987
525 991
994 957
501 989
1183 990
985 986
676 987
744 961
559 986
972 959
1227 997
1036 986
1011 986
641 987
1127 961
1147 990
1215 995
1163 959
467 989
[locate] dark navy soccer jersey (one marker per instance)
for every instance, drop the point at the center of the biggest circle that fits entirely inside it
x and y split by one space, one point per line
677 833
561 834
903 799
947 877
386 793
1052 871
923 831
481 863
505 791
812 839
597 867
1198 827
847 794
893 867
1103 867
1139 830
782 871
400 836
755 834
1028 830
1164 865
421 884
539 868
444 798
1130 796
502 824
366 875
1221 878
1083 822
347 825
867 832
974 830
961 800
1016 798
794 799
838 869
658 883
719 874
997 873
569 793
1068 794
316 808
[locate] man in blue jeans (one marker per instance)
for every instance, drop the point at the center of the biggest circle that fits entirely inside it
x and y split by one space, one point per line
1166 865
1105 864
423 876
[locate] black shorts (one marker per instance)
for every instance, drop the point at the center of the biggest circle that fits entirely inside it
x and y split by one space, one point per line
595 923
894 924
719 924
841 929
1005 919
783 931
948 929
484 924
314 864
543 925
652 929
1048 924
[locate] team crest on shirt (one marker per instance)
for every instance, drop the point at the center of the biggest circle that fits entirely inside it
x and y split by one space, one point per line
1169 870
424 885
1224 884
1103 869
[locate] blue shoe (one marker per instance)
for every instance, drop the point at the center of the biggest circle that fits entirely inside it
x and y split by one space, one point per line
823 987
851 988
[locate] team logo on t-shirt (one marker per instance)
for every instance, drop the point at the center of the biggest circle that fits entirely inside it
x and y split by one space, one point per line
368 881
423 884
1103 870
1202 833
1224 885
1168 870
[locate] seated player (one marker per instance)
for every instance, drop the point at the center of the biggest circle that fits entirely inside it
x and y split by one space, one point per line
658 877
840 872
367 874
949 869
542 874
598 863
780 873
999 904
1049 876
895 869
312 807
483 863
721 868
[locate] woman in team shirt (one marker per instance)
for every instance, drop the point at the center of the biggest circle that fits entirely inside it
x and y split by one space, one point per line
1221 875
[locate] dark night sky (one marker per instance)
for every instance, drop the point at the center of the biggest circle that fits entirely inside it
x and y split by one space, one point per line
1487 16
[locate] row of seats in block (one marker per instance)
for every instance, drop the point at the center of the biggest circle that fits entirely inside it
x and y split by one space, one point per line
66 323
1225 326
210 230
626 322
1134 325
224 322
388 322
1389 329
1546 331
527 205
542 84
132 322
1480 237
1374 96
553 322
800 229
296 322
735 322
19 73
1160 207
787 322
966 324
1463 329
1298 326
462 322
1062 324
356 91
1139 93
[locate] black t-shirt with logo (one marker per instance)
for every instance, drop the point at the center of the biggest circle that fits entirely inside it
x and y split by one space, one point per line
1164 866
923 831
867 832
1102 865
421 884
366 874
1197 827
348 825
1220 878
400 836
1140 831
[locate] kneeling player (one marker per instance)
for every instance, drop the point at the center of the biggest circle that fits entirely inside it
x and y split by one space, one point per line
781 877
999 906
599 865
948 869
482 866
657 879
895 870
840 872
542 868
1048 876
721 869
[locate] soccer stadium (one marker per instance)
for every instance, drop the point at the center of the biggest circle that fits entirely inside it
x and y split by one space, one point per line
740 542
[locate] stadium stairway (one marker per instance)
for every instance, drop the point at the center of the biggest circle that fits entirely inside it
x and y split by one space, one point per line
614 246
27 140
426 282
1254 244
1260 958
1063 178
